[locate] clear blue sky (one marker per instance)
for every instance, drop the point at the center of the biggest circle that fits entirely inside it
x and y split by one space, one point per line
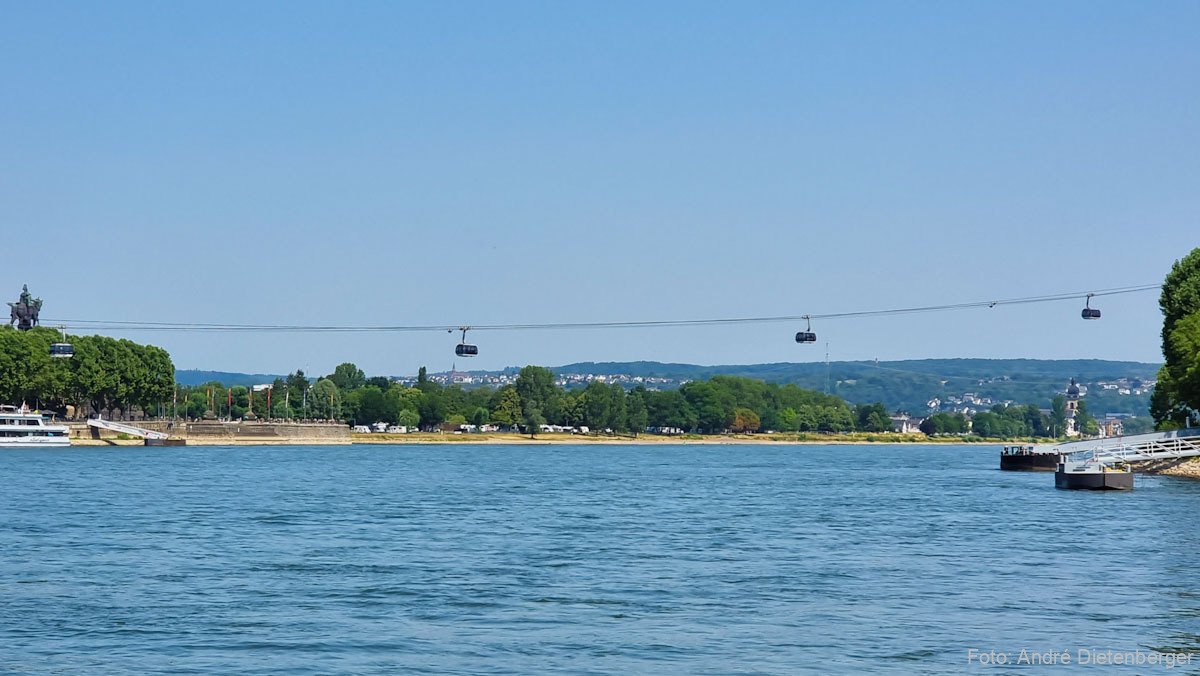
392 163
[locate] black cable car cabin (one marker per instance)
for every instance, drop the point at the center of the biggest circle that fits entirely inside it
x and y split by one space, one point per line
806 337
62 350
465 350
1091 313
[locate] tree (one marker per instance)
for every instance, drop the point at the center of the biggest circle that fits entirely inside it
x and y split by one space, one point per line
535 386
1085 422
533 420
432 407
944 423
371 406
408 418
713 405
669 409
480 416
1182 385
789 420
325 399
745 420
873 418
571 408
382 382
1176 396
297 385
1138 425
1058 416
635 411
594 403
507 411
348 377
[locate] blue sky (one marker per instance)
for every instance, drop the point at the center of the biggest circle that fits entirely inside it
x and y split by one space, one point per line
449 163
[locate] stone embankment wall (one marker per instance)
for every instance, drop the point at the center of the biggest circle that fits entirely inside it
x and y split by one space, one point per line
214 432
1185 467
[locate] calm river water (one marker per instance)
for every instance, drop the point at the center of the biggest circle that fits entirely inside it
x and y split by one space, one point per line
610 559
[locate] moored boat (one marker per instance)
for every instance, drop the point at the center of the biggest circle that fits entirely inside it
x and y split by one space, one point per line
1092 475
1028 458
22 428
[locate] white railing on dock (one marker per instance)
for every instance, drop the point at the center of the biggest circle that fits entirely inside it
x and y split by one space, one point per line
1137 448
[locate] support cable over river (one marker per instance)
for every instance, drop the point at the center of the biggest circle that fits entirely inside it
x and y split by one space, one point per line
112 325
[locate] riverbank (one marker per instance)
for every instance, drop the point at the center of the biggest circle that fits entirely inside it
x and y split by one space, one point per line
1180 467
232 438
655 439
219 433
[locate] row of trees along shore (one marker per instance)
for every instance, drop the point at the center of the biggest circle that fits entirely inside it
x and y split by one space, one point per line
722 404
105 375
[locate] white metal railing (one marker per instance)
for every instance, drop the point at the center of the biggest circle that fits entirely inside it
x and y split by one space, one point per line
125 429
1142 447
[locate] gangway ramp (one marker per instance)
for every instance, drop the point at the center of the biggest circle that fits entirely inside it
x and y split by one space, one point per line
1136 448
122 428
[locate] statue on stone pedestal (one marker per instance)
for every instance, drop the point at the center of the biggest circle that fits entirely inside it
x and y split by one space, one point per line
25 311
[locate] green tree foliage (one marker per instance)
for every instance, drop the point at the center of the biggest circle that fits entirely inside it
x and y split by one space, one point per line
713 404
533 420
408 418
1085 423
670 409
325 400
480 416
1058 416
372 407
106 374
536 388
872 418
745 420
381 382
637 415
347 377
945 423
432 405
1177 393
571 409
1138 425
507 409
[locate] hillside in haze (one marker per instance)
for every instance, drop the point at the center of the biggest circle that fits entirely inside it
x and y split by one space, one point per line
1111 386
910 385
194 377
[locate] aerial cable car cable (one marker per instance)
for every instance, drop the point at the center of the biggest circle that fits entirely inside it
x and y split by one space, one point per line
300 328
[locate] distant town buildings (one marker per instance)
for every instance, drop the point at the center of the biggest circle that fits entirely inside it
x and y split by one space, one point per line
565 380
905 424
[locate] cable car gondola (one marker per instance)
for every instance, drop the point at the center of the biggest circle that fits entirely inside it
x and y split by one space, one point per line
807 335
464 349
63 350
1088 311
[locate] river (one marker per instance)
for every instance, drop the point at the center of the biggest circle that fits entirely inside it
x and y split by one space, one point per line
600 559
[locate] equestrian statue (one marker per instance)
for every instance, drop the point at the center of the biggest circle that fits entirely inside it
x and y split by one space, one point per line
25 310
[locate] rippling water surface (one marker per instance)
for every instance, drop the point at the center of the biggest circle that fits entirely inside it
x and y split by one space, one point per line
519 559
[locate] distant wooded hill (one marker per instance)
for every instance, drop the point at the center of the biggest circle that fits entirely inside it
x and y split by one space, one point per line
193 377
909 385
900 385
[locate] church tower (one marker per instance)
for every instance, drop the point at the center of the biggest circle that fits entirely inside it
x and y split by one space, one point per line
1072 408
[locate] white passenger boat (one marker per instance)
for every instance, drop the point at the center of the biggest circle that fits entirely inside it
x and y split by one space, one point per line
22 428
